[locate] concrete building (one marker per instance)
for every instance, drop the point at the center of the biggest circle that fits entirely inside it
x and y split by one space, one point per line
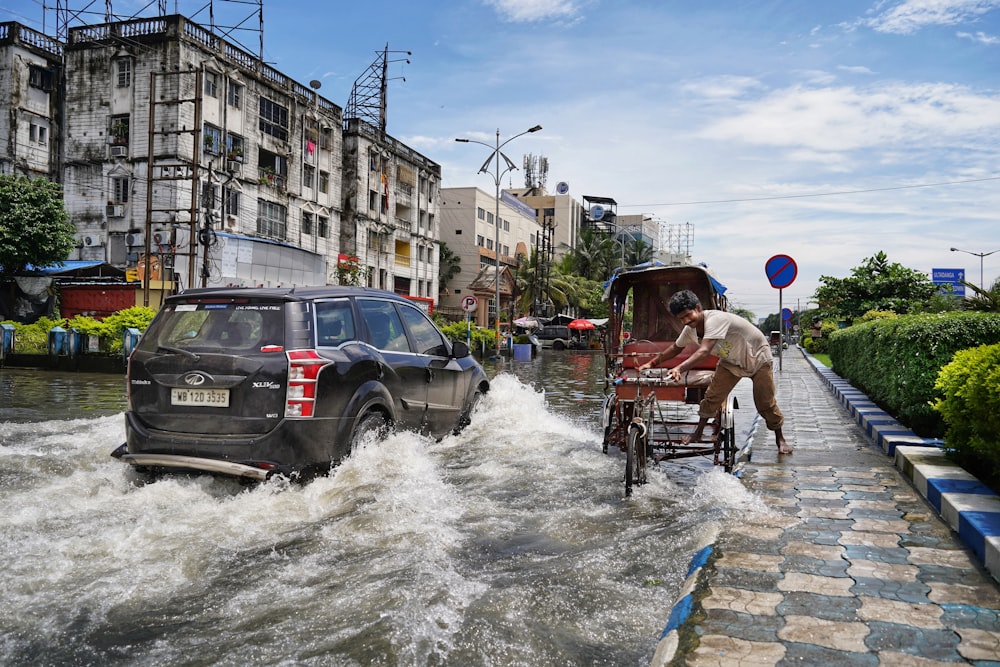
390 220
563 214
186 157
469 229
30 71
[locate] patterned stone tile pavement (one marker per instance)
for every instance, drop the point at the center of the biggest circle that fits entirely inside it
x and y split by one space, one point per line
849 567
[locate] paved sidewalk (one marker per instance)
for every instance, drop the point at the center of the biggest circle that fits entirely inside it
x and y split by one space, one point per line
852 567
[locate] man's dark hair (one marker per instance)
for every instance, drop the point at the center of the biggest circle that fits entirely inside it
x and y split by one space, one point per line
683 300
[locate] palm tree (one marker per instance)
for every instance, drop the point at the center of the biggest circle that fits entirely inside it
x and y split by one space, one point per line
450 266
985 300
588 254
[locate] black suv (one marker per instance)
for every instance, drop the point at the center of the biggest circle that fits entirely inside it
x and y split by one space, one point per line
255 382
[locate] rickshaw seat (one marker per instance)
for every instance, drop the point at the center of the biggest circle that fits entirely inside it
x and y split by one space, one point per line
650 347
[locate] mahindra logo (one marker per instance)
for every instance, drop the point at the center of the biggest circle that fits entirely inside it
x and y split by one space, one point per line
194 379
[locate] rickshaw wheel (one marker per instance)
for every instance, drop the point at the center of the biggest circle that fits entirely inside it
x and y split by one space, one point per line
635 458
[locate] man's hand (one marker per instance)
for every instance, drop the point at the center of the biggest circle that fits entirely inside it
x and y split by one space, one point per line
675 373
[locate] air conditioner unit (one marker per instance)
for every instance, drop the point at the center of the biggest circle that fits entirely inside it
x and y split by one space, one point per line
92 241
116 211
135 239
161 238
233 166
119 151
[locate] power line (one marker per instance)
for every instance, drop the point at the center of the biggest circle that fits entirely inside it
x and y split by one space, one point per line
814 194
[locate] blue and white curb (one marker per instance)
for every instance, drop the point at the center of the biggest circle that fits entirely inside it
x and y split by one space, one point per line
970 507
666 649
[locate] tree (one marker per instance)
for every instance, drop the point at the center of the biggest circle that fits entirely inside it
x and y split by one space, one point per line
983 300
874 285
449 267
34 227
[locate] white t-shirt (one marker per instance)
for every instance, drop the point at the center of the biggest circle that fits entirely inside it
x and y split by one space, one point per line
739 344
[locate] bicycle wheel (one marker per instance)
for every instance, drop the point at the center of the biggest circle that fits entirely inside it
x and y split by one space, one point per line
635 458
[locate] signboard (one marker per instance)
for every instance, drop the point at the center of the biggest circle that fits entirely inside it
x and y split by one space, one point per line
562 187
786 315
949 277
469 303
781 271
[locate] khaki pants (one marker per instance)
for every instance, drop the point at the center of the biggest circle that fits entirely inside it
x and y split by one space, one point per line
763 394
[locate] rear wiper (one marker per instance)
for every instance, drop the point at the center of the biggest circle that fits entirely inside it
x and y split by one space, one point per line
177 350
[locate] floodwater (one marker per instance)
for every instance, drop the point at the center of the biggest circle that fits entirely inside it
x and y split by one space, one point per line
511 544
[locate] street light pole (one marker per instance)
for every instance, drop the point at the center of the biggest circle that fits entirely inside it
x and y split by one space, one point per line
497 174
980 255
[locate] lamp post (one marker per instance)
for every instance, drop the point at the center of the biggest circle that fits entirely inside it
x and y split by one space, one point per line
494 158
980 255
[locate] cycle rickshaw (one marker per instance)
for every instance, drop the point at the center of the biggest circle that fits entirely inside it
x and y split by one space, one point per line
648 415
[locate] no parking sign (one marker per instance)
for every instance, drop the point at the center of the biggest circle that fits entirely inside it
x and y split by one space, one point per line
469 303
781 272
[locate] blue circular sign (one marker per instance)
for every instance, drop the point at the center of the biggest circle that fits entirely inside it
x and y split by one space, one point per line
781 271
786 314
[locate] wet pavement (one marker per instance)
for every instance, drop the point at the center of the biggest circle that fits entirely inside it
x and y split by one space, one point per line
855 562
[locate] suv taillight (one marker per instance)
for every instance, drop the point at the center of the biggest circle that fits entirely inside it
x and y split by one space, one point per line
303 368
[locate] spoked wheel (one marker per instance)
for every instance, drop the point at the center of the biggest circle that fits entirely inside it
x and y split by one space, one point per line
727 436
608 419
635 457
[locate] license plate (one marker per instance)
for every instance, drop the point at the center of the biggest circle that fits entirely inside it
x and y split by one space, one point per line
213 398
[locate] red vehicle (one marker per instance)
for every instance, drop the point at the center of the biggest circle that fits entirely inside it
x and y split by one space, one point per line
648 415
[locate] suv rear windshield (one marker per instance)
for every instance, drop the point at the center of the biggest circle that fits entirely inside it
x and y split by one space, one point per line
216 327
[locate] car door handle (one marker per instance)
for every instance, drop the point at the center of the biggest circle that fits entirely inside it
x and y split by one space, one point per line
430 375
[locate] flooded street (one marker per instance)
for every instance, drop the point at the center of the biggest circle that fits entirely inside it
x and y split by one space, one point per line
511 544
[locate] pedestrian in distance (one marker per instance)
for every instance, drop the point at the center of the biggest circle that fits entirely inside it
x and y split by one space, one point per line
743 351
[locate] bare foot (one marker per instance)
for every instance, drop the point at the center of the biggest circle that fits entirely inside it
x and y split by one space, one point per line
783 446
693 437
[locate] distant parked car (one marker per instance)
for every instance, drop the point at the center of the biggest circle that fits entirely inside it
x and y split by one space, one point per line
556 337
256 382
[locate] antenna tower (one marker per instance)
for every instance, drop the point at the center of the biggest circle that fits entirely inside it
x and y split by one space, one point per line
368 99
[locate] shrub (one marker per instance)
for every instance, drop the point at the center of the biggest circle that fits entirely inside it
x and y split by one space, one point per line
480 337
970 405
895 361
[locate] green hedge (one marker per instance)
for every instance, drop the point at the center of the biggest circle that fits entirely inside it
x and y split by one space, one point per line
896 361
970 405
34 338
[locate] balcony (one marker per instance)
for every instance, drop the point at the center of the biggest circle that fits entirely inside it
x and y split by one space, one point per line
267 176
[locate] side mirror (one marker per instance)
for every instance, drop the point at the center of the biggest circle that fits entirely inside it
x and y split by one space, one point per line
460 350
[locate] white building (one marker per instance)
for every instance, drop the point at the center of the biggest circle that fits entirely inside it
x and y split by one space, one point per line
469 227
185 156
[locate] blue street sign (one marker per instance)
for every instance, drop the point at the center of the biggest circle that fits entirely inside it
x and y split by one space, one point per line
781 271
786 314
949 277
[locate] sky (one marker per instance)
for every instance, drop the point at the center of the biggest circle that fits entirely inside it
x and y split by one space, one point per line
824 131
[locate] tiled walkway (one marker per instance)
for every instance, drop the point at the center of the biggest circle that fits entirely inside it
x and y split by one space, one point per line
852 566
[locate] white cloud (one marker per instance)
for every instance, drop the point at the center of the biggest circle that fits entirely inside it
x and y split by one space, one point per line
526 11
908 17
980 37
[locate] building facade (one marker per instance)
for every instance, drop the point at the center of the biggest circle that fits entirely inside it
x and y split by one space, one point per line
187 158
470 228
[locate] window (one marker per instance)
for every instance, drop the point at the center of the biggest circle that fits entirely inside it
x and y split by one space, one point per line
234 147
326 137
211 138
234 95
123 67
231 202
211 80
273 119
38 134
481 213
209 195
426 338
480 240
506 225
322 227
119 130
372 200
324 182
271 219
273 168
119 189
489 244
308 176
489 218
506 250
40 77
307 223
334 322
385 329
